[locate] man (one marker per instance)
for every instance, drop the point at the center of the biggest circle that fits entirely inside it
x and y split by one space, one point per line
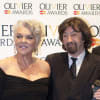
76 84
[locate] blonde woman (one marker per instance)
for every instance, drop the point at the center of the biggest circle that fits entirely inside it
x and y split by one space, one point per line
24 76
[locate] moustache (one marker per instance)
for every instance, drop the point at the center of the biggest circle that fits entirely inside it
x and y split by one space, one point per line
70 43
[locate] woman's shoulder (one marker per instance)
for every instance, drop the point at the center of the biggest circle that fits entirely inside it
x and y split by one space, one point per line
6 61
42 62
44 65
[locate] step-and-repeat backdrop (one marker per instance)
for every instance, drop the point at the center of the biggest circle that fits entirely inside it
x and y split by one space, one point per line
51 13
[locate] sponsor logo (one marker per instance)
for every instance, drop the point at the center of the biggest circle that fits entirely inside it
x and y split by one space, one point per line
76 12
53 8
86 9
18 8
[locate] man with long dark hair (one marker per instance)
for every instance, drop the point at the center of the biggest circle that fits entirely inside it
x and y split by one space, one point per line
73 72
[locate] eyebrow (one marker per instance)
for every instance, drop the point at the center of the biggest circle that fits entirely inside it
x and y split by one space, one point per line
27 34
69 32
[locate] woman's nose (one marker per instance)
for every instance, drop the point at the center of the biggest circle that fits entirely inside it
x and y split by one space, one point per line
23 39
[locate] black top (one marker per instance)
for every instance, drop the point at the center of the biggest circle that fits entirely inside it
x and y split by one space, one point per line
17 88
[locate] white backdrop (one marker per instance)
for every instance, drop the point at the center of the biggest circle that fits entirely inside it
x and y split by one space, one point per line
51 13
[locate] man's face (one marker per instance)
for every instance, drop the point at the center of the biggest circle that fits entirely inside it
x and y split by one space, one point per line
73 41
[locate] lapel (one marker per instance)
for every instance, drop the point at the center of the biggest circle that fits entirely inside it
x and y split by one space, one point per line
61 64
85 70
67 78
65 61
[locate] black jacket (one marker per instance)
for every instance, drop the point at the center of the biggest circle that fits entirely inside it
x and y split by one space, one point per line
63 87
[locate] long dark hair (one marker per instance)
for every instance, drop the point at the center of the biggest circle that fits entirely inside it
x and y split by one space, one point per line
78 25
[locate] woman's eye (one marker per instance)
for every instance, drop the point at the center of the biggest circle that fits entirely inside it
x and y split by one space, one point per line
30 37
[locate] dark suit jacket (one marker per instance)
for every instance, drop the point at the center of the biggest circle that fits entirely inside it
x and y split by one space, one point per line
96 50
63 87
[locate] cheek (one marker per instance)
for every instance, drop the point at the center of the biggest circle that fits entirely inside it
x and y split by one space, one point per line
64 41
33 46
78 39
80 43
16 42
81 40
32 43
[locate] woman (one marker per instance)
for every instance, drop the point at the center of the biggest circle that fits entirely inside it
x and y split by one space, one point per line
24 76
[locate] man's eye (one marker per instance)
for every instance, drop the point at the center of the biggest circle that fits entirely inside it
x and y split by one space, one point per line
19 36
64 35
73 34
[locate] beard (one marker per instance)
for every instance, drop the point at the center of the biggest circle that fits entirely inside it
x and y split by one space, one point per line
71 47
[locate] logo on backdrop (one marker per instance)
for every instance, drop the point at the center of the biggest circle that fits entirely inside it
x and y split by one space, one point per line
53 8
51 39
18 8
51 35
6 35
86 9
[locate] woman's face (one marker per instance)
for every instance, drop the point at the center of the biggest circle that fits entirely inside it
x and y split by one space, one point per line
24 41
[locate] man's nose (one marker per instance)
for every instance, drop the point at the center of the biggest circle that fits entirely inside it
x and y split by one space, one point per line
69 38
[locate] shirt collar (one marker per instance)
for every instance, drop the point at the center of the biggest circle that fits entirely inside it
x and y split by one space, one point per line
80 57
79 61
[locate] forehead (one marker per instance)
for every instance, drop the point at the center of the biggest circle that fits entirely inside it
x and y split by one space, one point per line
23 30
69 30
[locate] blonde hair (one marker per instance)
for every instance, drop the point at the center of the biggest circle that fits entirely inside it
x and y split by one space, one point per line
35 27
